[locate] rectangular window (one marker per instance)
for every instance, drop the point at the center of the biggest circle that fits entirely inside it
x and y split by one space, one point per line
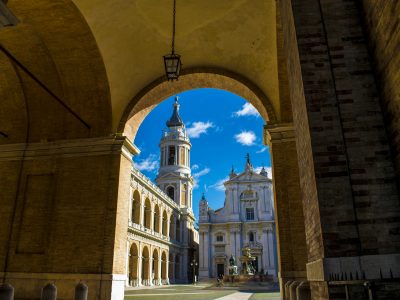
220 238
249 214
171 155
182 157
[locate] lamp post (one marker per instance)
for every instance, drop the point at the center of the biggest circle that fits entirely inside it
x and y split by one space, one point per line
194 264
172 62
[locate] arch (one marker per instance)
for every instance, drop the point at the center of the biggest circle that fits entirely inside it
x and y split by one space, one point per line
164 223
164 275
177 267
135 214
172 227
156 220
170 191
171 267
133 265
147 213
191 78
155 269
145 265
178 230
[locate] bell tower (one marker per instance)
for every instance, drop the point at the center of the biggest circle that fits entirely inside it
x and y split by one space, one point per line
174 175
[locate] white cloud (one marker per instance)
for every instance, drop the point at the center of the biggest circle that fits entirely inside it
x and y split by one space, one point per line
268 169
197 175
148 164
262 150
247 110
199 128
195 167
219 185
246 138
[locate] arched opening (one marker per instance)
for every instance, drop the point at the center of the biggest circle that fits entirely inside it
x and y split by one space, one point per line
164 263
145 266
171 268
164 223
156 221
171 192
177 267
133 265
172 227
178 230
147 213
135 214
155 268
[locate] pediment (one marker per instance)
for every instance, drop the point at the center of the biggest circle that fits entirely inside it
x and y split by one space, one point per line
245 177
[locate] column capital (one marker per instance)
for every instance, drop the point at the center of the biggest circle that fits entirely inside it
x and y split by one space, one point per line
277 133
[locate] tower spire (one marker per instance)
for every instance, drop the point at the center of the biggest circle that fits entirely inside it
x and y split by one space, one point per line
175 120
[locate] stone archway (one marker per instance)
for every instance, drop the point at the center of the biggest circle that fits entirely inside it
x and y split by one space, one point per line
280 137
156 267
136 204
147 214
146 276
164 223
172 223
164 268
133 265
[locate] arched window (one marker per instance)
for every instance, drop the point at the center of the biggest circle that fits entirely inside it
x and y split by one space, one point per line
178 231
183 195
171 192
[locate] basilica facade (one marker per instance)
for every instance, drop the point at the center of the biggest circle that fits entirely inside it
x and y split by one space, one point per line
245 221
162 238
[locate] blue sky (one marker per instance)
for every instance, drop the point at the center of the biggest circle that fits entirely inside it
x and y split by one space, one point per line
223 128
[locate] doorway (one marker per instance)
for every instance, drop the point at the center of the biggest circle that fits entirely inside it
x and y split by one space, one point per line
220 270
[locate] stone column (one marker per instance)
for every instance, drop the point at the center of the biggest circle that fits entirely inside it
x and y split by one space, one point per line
288 203
152 212
150 268
142 212
167 270
168 224
160 222
204 252
159 262
64 178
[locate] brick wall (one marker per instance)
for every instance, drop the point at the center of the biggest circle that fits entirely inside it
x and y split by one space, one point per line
352 162
381 19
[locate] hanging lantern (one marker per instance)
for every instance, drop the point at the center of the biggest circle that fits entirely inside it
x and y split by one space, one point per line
172 62
173 65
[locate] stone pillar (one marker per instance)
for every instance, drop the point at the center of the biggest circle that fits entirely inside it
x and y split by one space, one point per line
65 178
167 270
159 262
168 224
204 252
292 251
342 145
142 212
150 268
152 212
160 222
139 264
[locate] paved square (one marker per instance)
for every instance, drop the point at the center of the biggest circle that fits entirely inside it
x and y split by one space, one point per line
198 292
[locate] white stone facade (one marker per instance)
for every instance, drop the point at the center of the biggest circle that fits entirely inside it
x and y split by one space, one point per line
246 220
